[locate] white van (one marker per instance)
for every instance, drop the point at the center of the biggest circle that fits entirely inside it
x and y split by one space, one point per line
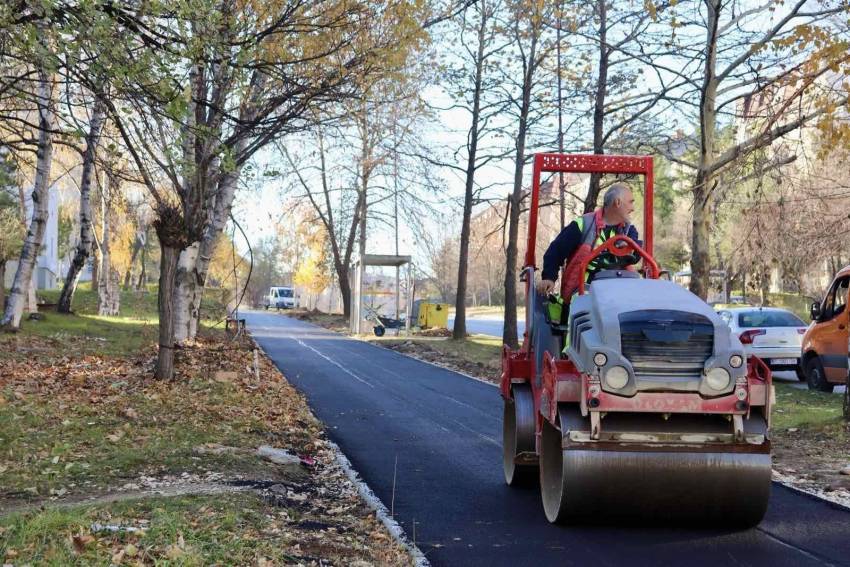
281 298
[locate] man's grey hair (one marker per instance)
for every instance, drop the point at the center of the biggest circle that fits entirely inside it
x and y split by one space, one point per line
614 192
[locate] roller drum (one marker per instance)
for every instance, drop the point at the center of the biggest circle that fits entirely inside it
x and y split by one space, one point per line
518 438
717 488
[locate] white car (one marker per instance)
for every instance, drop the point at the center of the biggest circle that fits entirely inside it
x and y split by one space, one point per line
281 298
772 334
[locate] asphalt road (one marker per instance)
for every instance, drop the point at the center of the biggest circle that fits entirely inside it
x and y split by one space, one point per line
428 443
488 325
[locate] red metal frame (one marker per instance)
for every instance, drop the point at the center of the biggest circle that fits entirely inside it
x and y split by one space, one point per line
584 163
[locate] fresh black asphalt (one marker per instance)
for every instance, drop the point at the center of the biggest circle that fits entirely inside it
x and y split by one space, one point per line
428 443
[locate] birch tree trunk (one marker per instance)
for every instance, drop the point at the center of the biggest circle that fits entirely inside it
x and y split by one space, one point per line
183 285
108 294
95 265
186 287
143 276
32 299
138 245
40 194
194 264
206 248
84 247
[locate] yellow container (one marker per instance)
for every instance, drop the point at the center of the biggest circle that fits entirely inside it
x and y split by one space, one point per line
433 315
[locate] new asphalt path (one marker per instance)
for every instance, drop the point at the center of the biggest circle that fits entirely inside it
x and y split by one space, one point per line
428 443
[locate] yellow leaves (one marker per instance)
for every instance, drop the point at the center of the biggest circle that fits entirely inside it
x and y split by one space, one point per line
651 10
227 266
313 270
11 233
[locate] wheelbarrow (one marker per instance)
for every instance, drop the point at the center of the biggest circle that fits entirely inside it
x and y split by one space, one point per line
382 323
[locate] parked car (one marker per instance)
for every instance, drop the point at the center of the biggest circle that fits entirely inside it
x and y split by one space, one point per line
772 334
825 344
281 298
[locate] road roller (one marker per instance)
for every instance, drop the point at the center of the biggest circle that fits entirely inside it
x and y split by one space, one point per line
640 402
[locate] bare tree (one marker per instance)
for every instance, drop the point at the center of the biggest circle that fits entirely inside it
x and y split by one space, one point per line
624 101
527 26
735 59
474 80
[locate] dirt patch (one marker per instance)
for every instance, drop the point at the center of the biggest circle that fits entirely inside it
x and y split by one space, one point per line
436 332
424 351
333 321
816 460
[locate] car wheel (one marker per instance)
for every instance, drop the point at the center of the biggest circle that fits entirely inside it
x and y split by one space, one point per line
379 331
816 377
801 373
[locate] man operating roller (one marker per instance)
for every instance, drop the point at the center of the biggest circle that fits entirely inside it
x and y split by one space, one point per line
580 237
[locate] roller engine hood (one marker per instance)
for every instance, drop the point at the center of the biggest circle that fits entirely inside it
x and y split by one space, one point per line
662 333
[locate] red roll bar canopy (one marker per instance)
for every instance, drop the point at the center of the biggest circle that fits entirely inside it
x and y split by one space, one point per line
583 163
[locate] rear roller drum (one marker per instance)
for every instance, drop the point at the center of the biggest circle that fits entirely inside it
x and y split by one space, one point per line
553 483
518 437
720 489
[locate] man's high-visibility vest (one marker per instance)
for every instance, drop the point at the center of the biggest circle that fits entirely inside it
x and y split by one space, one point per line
591 226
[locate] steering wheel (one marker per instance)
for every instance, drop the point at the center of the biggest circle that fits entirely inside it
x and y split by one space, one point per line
619 248
607 260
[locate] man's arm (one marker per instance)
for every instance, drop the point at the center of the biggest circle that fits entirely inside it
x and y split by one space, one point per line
633 234
558 252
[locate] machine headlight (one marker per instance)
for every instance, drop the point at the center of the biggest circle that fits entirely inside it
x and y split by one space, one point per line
616 377
599 359
718 378
736 360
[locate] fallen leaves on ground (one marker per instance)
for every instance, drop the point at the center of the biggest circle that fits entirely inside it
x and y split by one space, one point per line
96 425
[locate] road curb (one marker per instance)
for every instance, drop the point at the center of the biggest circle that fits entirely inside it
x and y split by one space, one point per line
835 501
381 512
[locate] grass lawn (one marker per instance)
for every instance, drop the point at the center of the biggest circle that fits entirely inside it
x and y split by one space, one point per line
188 530
86 424
81 417
796 408
128 333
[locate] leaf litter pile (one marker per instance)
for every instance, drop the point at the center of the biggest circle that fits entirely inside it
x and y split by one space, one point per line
102 464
